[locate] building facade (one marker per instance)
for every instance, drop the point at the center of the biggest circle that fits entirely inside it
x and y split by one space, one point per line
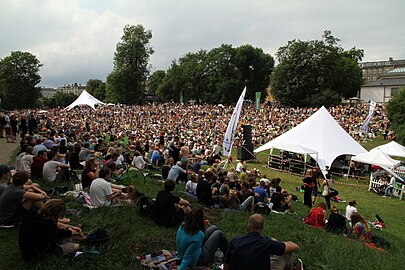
372 71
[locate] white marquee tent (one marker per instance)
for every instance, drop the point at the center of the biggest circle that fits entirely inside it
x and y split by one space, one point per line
376 157
392 149
84 99
320 133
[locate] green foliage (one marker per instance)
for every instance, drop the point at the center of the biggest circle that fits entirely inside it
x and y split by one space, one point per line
125 84
316 72
218 76
96 88
155 80
59 99
396 114
18 79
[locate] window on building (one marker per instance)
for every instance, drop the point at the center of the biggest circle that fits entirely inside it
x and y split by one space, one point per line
394 91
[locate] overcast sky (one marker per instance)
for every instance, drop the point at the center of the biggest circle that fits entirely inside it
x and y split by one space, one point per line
75 39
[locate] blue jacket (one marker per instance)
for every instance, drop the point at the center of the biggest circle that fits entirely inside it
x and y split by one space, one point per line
188 247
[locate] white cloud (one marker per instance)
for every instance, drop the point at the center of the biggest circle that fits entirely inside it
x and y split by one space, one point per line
76 39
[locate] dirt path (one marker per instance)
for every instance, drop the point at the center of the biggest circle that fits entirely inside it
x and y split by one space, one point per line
7 151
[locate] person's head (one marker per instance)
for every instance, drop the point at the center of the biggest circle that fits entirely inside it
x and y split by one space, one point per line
200 173
327 176
178 163
105 173
115 156
43 154
308 173
53 209
245 185
194 178
5 173
208 175
278 189
355 218
194 221
29 150
321 205
262 183
225 189
352 203
256 223
91 162
20 178
169 185
334 209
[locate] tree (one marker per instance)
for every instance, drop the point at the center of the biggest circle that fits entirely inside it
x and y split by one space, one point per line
59 99
126 82
96 88
155 80
396 114
18 79
316 72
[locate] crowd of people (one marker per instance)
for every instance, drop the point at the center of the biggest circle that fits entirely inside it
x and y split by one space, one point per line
177 141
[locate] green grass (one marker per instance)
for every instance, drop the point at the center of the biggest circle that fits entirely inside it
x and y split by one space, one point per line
131 235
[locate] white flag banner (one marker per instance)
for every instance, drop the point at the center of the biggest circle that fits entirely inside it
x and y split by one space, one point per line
233 123
370 114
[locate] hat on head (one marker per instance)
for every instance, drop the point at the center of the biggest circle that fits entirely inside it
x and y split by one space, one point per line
4 168
49 144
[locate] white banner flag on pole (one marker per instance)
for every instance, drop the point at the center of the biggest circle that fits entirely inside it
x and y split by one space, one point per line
233 123
370 114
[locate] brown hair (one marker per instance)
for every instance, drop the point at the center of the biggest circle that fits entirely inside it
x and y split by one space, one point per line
194 221
321 205
357 218
20 178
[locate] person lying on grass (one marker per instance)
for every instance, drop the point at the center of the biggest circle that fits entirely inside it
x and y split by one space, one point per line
103 193
196 244
19 198
39 235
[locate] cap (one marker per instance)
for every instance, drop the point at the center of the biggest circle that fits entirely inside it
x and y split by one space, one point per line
4 168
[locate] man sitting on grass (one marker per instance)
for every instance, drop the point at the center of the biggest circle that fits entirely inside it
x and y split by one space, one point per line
253 250
103 193
281 203
18 199
169 209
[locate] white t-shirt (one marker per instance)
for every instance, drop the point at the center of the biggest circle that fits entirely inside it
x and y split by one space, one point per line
239 167
349 211
191 187
99 189
26 162
138 162
49 170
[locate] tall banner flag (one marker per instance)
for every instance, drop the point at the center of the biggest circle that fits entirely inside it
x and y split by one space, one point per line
258 96
370 114
233 123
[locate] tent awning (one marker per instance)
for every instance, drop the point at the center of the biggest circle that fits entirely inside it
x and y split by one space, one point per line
84 99
392 149
376 157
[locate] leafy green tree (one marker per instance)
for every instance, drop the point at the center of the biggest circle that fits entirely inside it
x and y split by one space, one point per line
155 80
18 79
59 99
96 88
126 82
316 72
396 114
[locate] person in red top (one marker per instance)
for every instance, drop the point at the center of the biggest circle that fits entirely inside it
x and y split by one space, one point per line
111 164
316 217
38 164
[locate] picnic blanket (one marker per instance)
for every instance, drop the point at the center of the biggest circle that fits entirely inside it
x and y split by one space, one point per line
164 260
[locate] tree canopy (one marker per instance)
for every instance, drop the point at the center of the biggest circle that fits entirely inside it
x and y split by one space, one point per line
218 75
18 79
126 82
396 114
316 72
59 99
96 88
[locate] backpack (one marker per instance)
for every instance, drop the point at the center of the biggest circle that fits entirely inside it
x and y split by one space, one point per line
262 208
146 206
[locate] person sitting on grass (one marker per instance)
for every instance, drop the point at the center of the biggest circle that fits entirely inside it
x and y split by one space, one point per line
112 165
90 172
231 201
280 202
39 234
170 209
361 229
316 217
196 244
53 169
191 185
254 251
103 193
336 222
18 199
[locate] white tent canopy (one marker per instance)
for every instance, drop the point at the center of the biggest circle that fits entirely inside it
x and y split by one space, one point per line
321 133
376 157
295 148
84 99
392 149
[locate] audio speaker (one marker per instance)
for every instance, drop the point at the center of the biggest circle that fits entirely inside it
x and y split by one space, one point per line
244 152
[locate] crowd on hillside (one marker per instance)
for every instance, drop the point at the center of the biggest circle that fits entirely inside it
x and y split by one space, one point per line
177 141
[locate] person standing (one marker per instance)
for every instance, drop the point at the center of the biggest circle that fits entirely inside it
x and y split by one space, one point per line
390 188
253 251
308 184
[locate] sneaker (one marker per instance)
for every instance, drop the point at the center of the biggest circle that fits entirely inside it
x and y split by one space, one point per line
384 196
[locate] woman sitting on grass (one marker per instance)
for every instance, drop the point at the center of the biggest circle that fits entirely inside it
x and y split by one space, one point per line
39 234
361 229
316 217
195 245
231 201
